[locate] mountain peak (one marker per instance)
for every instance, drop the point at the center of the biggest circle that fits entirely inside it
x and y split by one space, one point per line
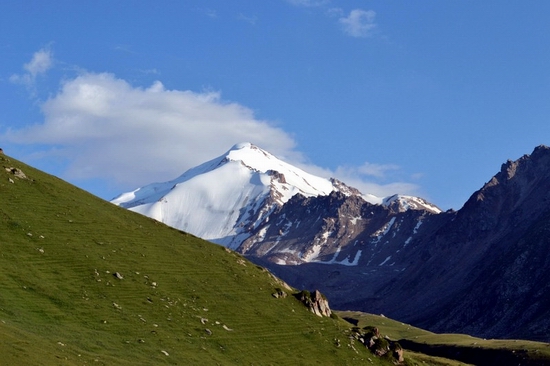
222 199
245 150
253 157
295 179
226 198
541 149
402 203
508 169
242 145
519 184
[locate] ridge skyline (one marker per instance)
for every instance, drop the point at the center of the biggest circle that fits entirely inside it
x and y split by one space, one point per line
235 153
222 199
391 107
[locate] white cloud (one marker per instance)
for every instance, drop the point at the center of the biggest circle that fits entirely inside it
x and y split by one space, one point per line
130 136
382 190
361 177
41 62
358 178
376 170
359 23
109 129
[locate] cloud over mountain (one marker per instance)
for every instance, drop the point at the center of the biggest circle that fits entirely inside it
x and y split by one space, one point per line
108 127
105 128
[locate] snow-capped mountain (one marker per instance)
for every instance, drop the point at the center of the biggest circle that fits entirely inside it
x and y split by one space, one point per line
483 269
227 199
222 199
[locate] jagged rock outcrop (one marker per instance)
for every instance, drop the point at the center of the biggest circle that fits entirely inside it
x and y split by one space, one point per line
18 173
316 302
378 344
333 229
279 294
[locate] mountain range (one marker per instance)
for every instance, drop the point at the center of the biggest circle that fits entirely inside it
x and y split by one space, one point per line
482 270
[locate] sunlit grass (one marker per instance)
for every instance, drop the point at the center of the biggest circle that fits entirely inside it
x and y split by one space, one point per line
85 282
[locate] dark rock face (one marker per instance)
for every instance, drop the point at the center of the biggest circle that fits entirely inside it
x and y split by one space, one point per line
502 278
483 270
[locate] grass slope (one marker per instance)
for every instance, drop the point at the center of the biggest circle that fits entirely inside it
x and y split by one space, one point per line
181 301
460 349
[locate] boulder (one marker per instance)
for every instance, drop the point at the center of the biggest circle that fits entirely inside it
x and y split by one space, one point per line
316 302
279 294
17 172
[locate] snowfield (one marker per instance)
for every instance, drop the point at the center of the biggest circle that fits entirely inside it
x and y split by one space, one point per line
225 198
213 199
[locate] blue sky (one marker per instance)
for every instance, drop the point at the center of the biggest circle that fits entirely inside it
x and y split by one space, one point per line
426 98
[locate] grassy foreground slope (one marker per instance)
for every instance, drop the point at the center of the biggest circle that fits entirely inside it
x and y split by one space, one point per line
85 282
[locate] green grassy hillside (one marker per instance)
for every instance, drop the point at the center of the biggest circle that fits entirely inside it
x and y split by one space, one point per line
454 349
85 282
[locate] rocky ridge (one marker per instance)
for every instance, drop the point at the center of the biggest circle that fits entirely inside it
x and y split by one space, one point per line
482 270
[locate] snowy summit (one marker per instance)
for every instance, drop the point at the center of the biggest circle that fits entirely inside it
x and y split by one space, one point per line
223 199
214 198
